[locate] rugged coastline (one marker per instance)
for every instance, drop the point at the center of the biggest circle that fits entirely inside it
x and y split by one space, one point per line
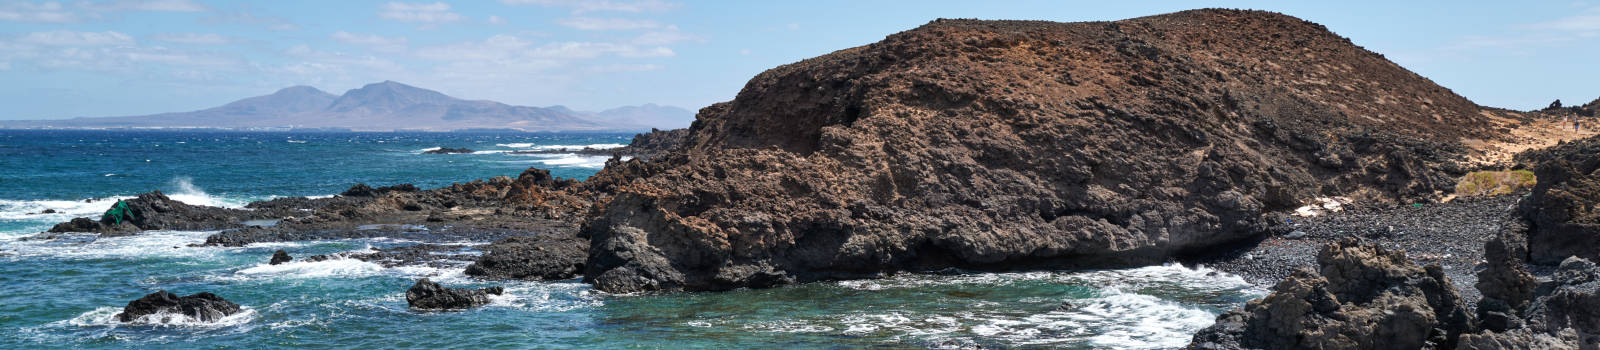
1178 137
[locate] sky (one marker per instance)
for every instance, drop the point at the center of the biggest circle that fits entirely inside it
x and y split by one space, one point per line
61 59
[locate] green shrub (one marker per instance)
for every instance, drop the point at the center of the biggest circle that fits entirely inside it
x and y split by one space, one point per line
1494 183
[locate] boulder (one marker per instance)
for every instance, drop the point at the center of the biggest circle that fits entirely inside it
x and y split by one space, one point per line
203 307
1564 209
432 296
280 257
1364 297
532 258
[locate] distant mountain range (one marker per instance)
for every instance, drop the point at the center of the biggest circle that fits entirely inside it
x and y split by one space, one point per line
384 106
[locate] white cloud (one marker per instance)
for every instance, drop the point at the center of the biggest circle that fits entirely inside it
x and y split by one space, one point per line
55 12
666 37
583 6
1586 23
614 68
586 50
496 20
271 23
47 12
196 38
376 42
590 23
434 13
146 5
74 38
744 51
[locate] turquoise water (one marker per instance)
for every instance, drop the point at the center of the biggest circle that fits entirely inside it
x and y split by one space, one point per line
62 294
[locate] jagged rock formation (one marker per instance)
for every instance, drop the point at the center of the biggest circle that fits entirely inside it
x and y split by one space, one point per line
204 307
1014 143
1364 297
1564 209
427 295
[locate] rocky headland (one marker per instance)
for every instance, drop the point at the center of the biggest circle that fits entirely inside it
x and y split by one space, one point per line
1006 144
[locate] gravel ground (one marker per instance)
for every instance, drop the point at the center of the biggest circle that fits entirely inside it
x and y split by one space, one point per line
1449 234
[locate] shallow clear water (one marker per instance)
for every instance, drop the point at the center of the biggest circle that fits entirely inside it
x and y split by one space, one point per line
63 293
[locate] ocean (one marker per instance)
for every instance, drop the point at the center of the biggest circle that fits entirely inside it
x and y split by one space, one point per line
63 293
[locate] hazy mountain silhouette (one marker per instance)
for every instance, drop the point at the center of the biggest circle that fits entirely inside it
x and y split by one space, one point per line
383 106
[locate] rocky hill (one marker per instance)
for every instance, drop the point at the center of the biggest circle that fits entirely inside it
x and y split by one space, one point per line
979 144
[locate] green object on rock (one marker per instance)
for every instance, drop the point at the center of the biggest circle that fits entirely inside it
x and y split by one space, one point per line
117 212
1417 205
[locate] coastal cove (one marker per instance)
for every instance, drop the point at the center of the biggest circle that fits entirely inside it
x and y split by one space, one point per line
68 289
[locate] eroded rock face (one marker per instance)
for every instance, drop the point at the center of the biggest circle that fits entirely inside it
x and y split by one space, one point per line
1012 143
204 307
532 258
432 296
1364 297
1564 209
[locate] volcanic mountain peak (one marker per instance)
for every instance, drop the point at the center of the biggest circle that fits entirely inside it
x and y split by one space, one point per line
390 96
289 100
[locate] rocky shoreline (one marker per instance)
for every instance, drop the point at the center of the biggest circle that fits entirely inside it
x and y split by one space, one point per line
1012 145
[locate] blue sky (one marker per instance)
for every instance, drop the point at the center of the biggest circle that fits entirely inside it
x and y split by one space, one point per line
62 59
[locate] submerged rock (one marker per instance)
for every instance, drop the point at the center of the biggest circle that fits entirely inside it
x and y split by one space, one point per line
532 258
204 307
448 150
280 257
1364 297
432 296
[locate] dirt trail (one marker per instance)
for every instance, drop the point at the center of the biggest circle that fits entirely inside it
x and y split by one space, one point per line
1529 131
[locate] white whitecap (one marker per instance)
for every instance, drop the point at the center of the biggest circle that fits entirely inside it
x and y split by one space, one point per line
337 267
107 317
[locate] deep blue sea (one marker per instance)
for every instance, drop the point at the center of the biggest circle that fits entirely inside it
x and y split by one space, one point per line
63 293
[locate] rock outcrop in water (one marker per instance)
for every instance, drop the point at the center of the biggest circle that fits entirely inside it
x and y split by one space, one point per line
1364 297
1012 143
156 211
203 307
448 150
280 257
427 295
532 258
1564 208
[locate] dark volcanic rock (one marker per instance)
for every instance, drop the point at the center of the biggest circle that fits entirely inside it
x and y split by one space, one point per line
280 257
532 258
431 296
983 144
448 150
416 254
1564 209
155 211
362 190
1365 297
205 307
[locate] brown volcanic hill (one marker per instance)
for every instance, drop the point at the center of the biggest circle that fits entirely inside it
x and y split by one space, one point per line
981 144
